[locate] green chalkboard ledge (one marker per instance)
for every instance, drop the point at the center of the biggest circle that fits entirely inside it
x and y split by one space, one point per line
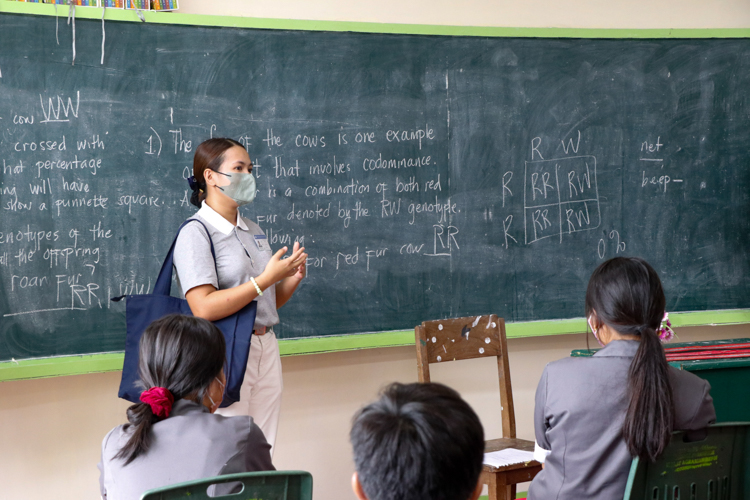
13 7
112 361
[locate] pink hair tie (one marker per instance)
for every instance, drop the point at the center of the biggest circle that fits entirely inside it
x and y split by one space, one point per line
159 399
665 331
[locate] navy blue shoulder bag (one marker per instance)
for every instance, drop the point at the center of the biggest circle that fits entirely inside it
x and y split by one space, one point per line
141 310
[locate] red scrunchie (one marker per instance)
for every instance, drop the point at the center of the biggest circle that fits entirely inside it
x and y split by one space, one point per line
159 399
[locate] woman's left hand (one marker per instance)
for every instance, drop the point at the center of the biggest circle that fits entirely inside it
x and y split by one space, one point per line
300 271
286 287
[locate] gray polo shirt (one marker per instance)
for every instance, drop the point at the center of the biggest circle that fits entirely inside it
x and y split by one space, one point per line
238 257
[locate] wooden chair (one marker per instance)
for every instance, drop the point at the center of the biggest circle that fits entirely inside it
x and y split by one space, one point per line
456 339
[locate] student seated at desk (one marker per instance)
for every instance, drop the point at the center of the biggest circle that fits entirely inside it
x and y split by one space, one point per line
417 442
173 435
593 415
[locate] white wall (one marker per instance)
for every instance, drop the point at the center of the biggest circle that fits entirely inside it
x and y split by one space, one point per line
50 430
513 13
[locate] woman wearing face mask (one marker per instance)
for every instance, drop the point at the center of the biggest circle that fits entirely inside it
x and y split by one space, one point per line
245 270
173 435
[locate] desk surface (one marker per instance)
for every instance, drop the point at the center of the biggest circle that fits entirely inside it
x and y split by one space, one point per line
701 364
502 444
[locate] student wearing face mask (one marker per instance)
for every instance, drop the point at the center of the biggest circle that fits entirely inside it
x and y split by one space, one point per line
173 435
245 269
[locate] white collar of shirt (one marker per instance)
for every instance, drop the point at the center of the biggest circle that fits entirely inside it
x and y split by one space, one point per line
219 222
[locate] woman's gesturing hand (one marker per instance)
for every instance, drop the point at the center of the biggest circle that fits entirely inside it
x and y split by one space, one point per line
301 271
279 268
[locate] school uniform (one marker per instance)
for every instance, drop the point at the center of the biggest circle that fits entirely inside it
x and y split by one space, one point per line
190 444
242 252
580 409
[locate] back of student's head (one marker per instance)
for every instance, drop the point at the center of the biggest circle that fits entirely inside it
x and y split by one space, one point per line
625 293
182 354
418 442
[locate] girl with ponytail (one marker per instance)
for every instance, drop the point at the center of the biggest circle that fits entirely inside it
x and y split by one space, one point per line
593 415
173 434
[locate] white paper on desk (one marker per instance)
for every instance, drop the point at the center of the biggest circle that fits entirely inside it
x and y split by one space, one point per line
508 456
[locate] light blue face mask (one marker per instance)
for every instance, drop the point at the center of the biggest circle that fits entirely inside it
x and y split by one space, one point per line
241 187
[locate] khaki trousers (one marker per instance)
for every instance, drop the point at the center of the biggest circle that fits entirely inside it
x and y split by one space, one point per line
260 395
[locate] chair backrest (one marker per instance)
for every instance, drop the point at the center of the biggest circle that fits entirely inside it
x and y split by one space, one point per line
455 339
267 485
715 468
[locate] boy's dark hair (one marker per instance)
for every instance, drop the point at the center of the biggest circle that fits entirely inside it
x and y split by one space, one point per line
418 442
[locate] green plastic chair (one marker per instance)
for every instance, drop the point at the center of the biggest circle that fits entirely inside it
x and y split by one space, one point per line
267 485
715 468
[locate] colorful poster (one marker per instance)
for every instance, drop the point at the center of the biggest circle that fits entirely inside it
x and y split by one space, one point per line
164 5
138 4
77 3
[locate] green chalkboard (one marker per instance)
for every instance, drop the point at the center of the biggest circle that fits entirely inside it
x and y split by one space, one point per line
428 176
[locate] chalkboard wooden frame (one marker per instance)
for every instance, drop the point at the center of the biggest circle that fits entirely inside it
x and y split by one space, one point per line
96 363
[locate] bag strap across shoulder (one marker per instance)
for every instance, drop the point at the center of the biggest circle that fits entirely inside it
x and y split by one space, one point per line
164 280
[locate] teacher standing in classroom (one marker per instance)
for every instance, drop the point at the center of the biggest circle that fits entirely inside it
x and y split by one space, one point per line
245 269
